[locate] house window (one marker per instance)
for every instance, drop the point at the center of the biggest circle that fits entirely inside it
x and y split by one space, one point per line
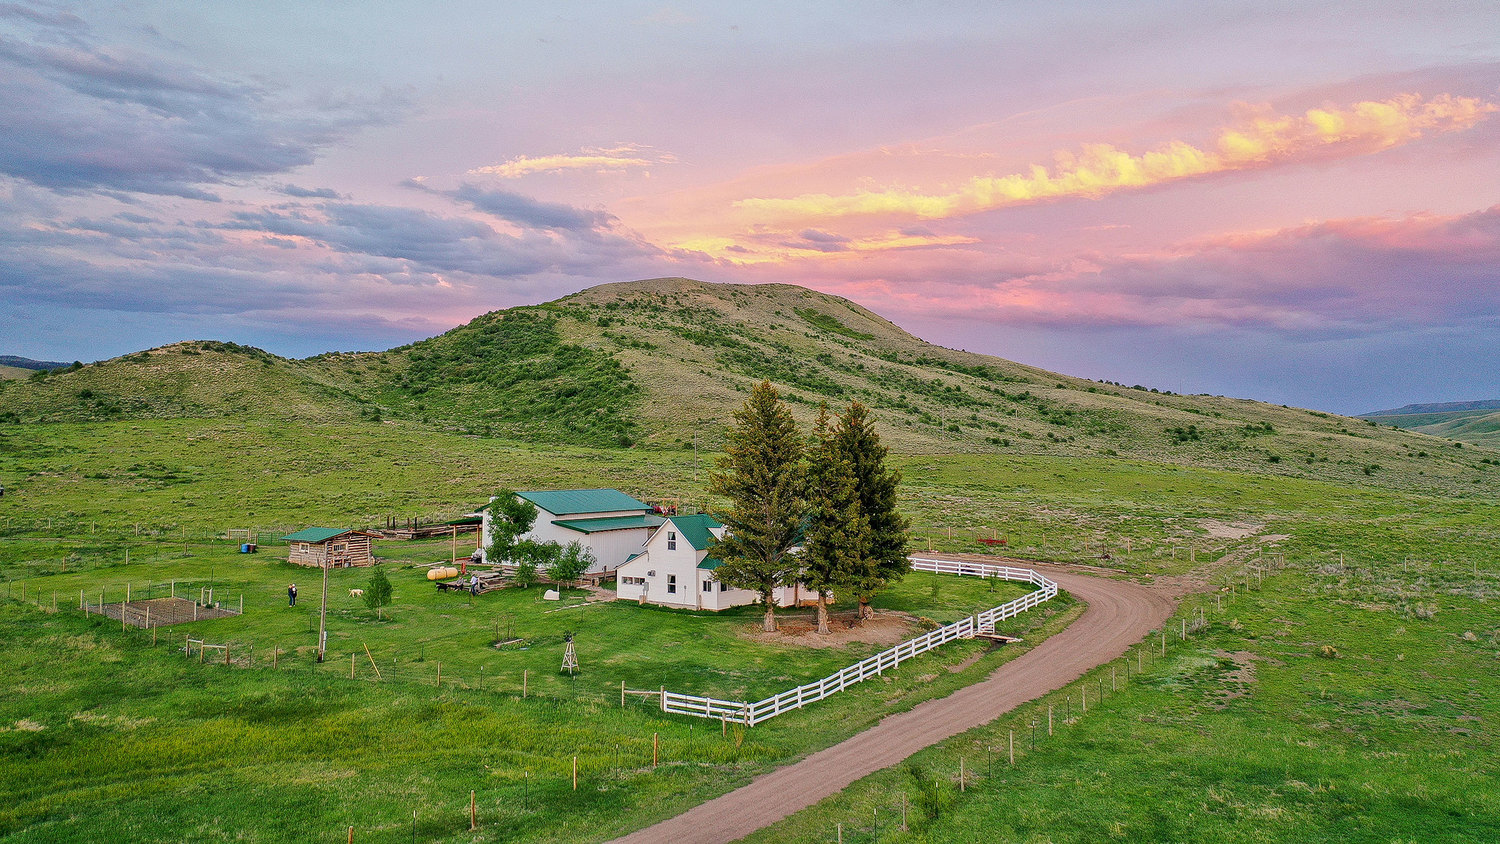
671 541
672 583
708 586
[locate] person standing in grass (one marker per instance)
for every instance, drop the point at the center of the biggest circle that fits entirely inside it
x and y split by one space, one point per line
291 595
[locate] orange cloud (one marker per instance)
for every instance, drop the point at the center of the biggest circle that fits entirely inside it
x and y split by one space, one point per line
748 251
615 158
1099 169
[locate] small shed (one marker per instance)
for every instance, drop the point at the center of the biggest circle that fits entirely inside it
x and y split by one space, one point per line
334 547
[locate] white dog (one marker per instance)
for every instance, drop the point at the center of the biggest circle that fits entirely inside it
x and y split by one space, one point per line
356 593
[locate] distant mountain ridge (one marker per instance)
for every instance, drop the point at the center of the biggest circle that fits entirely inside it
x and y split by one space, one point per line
1476 422
1437 407
27 363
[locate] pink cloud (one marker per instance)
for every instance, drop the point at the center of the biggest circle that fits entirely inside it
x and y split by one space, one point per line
1338 276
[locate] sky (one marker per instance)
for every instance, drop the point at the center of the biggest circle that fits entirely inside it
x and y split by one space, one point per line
1296 202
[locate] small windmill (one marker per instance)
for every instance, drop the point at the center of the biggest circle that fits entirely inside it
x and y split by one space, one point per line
570 656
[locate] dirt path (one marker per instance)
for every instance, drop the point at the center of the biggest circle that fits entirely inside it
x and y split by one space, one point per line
1119 613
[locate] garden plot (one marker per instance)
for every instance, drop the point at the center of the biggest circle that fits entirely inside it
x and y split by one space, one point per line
160 612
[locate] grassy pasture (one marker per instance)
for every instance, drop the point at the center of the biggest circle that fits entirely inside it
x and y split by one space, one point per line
101 732
1335 702
647 647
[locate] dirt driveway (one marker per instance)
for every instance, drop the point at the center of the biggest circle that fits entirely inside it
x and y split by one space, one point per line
1119 613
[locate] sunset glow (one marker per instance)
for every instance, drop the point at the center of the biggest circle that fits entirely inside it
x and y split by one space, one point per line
1227 198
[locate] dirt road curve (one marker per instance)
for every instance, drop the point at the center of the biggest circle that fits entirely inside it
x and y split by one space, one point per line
1119 614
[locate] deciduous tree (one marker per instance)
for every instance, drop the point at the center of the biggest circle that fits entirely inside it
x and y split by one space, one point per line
570 563
510 517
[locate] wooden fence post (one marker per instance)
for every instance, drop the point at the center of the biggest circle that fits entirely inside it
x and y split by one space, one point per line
655 748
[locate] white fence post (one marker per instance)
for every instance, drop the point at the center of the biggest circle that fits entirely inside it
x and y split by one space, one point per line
753 713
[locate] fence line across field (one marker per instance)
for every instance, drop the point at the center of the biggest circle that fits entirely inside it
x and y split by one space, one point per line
750 714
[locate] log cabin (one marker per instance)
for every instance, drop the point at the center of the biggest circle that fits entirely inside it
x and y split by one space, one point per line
337 548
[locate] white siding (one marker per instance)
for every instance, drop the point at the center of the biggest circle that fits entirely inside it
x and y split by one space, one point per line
610 548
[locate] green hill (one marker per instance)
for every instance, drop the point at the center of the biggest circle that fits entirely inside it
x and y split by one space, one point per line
663 363
1476 422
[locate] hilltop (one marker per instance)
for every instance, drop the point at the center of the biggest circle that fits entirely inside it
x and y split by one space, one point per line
663 363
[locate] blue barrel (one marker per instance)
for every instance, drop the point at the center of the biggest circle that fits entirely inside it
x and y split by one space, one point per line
245 549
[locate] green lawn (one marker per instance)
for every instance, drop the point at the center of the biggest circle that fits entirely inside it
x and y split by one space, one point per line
647 647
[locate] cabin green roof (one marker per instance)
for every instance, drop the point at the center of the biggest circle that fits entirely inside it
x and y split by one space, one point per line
316 534
697 529
608 523
567 502
709 563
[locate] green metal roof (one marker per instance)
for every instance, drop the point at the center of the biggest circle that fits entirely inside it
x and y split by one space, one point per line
566 502
316 534
710 563
609 523
696 529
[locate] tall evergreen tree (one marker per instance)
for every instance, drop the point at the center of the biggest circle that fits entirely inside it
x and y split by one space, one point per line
836 541
885 561
762 475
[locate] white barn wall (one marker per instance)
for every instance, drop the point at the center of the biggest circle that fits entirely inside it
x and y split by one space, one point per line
610 548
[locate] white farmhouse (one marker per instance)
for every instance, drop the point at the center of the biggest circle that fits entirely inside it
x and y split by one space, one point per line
612 525
675 570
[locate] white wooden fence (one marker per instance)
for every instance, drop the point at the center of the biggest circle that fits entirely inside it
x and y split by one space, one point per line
750 714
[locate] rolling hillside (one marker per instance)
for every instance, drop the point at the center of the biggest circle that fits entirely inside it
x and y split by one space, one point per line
663 363
1475 422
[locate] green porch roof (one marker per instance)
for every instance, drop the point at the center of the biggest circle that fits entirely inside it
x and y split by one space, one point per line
316 534
710 563
567 502
609 523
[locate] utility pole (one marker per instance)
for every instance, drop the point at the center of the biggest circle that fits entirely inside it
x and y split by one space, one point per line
323 613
